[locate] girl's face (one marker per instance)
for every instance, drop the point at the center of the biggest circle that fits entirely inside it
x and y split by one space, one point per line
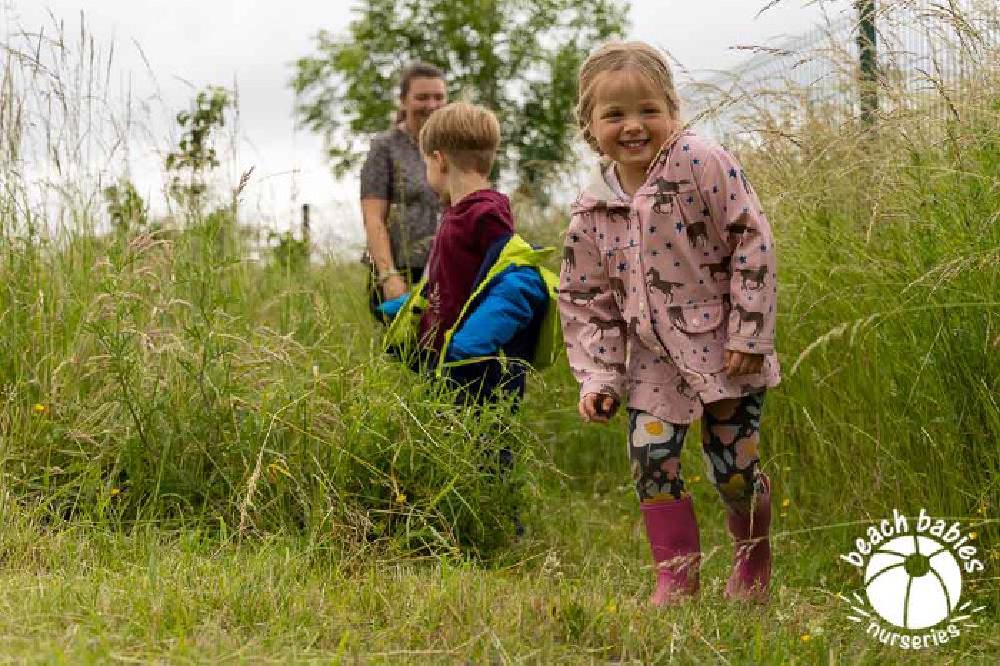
423 97
630 120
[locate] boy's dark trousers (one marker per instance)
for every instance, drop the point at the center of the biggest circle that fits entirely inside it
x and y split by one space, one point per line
485 383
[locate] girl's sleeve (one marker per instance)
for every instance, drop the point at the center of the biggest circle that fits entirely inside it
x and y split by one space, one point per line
584 295
737 214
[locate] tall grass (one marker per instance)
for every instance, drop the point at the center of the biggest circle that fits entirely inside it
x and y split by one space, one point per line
890 300
179 417
160 374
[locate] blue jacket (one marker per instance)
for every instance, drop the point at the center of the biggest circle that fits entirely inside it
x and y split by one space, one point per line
504 320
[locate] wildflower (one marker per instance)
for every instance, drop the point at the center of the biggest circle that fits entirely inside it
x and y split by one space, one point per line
611 607
115 491
39 408
400 498
785 503
973 535
695 479
806 638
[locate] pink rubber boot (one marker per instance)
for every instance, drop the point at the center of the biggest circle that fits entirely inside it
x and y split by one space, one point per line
752 557
673 536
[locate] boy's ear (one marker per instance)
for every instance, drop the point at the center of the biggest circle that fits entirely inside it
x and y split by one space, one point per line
440 160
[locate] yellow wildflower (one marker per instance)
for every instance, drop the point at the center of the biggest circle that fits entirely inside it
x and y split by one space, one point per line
786 503
39 408
806 638
973 535
115 491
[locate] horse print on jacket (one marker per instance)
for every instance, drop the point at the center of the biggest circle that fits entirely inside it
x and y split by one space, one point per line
665 287
569 257
666 192
602 326
690 263
746 316
753 278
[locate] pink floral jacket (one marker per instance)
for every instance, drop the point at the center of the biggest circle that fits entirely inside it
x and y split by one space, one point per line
654 291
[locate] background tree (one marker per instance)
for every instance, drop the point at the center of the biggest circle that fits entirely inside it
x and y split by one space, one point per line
196 156
518 57
126 207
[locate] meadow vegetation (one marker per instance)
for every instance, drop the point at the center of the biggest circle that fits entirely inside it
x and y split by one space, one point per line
206 456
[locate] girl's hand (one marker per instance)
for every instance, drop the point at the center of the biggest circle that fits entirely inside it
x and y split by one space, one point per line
597 407
738 363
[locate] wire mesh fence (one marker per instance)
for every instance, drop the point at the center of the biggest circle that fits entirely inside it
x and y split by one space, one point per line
928 54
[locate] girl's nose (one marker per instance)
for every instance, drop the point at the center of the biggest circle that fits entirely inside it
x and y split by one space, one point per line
631 125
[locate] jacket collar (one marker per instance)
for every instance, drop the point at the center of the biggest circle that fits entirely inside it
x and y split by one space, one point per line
597 195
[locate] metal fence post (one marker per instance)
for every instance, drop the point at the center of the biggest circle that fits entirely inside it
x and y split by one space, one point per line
868 60
305 224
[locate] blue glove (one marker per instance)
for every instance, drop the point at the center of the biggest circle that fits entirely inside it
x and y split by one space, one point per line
390 309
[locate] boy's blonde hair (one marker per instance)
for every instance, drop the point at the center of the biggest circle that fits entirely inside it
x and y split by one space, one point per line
639 57
467 134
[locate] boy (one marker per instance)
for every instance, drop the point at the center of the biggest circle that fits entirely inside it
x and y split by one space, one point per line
478 317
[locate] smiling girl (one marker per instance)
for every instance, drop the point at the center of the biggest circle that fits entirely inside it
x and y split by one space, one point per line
667 293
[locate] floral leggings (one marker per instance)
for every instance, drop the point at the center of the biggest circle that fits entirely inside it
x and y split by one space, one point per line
730 438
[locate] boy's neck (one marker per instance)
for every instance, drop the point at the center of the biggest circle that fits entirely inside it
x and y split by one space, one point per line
463 183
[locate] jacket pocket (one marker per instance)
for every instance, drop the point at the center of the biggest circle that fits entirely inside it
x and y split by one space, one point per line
699 335
698 317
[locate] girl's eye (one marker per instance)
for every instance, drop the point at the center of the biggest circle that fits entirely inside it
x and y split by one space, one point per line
650 111
612 114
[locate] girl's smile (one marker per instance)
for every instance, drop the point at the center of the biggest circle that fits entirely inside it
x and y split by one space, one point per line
630 122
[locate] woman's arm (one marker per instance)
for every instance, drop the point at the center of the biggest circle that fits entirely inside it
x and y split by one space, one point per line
374 212
376 193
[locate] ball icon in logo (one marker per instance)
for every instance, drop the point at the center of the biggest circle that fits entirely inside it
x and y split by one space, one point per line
913 582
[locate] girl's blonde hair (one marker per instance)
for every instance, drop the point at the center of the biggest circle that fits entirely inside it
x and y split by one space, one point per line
617 57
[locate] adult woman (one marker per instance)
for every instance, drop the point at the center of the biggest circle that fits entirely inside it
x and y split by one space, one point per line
399 208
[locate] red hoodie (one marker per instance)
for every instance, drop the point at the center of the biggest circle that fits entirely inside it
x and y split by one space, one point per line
467 230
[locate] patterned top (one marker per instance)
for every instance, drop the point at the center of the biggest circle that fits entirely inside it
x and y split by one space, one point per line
394 171
654 291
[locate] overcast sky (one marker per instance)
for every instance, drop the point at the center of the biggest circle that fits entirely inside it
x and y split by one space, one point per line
193 43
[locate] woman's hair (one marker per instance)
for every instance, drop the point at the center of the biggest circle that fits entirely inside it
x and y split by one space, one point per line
638 57
415 70
467 134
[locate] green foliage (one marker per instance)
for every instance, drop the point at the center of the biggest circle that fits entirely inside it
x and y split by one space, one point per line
196 154
517 57
126 208
289 252
163 377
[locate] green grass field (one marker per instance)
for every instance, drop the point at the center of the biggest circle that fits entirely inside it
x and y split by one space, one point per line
206 458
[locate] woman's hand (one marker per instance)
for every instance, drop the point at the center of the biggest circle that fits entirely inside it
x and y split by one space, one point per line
738 363
393 287
597 407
